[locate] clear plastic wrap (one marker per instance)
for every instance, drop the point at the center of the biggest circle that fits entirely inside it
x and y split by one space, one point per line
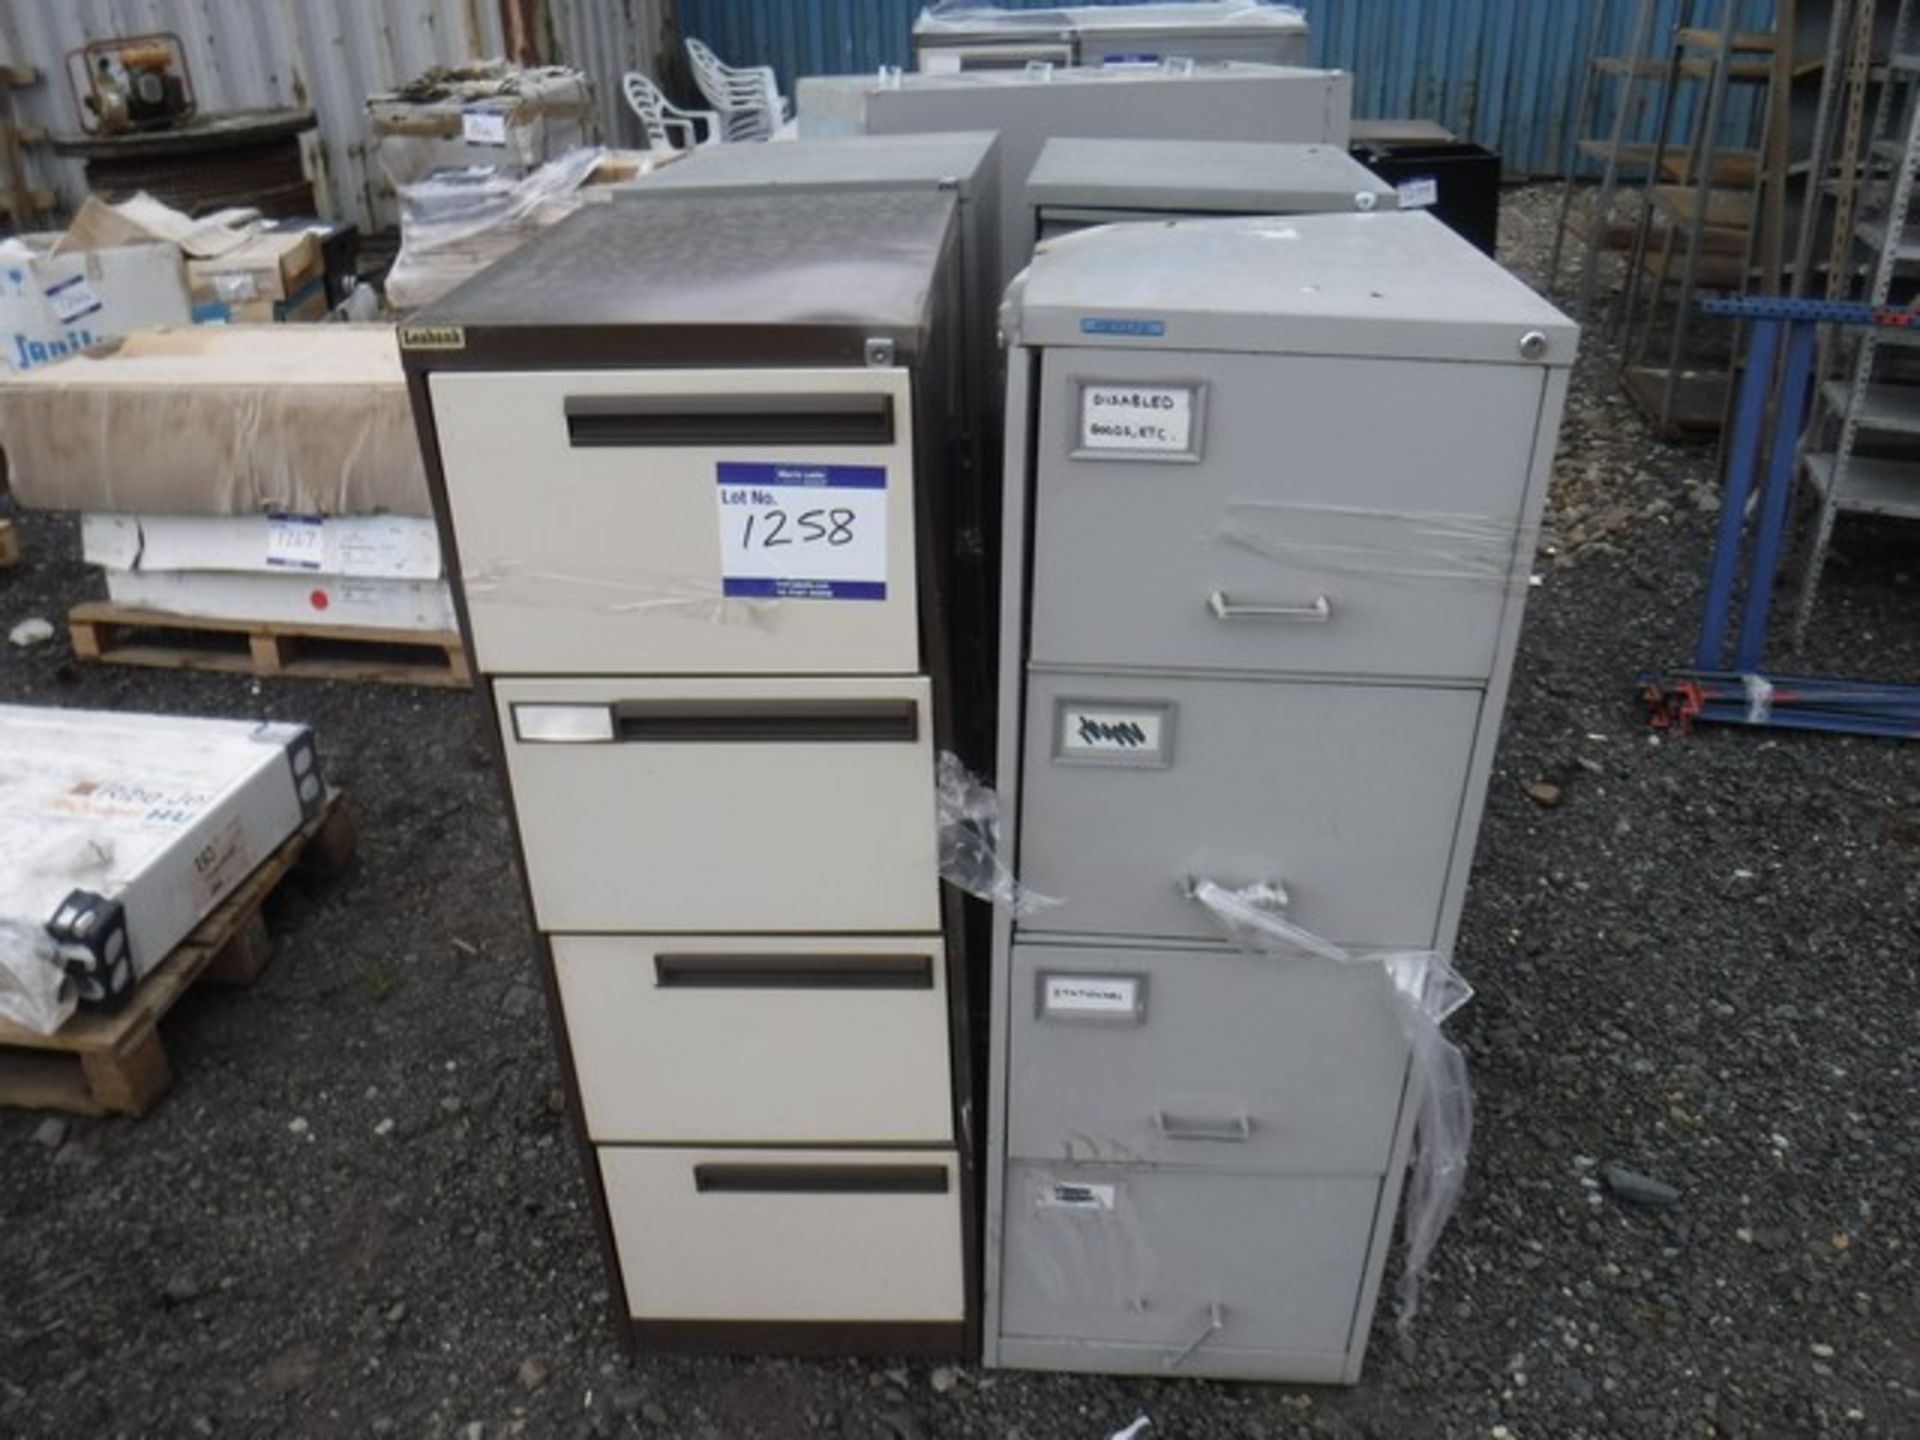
968 813
35 992
1403 545
1759 692
455 223
1429 990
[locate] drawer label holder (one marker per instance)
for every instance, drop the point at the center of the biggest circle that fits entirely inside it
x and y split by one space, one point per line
1139 421
1108 733
1110 998
802 531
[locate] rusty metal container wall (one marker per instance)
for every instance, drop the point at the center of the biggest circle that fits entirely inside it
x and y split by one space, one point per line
1503 73
607 38
327 55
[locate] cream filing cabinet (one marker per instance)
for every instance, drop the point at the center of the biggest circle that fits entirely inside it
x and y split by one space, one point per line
1278 496
691 458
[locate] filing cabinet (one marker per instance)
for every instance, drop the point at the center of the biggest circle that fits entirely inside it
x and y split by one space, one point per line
981 37
1254 637
1078 182
692 462
1176 100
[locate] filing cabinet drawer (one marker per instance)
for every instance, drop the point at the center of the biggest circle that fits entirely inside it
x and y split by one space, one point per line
683 521
768 805
734 1040
1203 1058
1194 1267
1346 797
787 1234
1326 516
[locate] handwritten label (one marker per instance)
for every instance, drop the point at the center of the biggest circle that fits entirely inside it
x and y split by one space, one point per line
71 299
1135 735
221 863
483 127
1155 419
1064 1195
295 542
803 532
1420 193
1101 995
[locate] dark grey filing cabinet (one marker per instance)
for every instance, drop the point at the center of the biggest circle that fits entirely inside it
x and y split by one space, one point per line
1277 483
690 461
1080 182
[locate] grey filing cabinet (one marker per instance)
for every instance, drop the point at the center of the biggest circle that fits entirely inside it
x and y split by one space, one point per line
689 461
984 37
1213 101
966 166
1260 639
1078 182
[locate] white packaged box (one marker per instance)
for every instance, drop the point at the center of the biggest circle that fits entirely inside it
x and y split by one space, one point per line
54 305
379 571
341 601
121 833
368 547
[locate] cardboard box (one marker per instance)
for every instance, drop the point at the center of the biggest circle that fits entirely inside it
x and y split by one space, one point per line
489 113
337 601
272 265
219 420
123 831
366 547
53 305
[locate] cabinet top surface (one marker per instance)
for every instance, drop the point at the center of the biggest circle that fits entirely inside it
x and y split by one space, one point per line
852 162
1241 175
1387 284
867 261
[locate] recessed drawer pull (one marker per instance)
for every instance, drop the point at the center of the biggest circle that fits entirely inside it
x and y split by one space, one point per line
767 721
1318 613
683 421
793 972
749 1179
1216 1322
1234 1129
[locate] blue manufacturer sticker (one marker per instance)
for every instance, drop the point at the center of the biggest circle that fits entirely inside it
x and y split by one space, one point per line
1120 325
802 532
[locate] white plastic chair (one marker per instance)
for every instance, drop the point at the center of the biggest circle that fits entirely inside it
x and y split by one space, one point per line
668 126
748 100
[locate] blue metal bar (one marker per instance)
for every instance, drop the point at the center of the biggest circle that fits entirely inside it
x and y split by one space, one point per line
1762 346
1791 416
1813 312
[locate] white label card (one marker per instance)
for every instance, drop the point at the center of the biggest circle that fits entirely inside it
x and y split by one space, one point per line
483 127
71 299
1115 995
1141 419
803 532
295 542
1106 732
1420 193
1064 1195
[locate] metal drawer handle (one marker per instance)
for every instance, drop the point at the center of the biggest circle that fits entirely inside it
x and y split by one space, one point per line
1318 613
1267 894
793 972
1216 1322
822 1179
1236 1129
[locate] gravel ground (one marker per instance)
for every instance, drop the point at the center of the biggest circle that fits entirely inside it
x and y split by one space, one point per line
359 1213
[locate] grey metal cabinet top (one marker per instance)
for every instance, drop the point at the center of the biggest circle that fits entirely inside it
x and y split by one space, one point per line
1240 177
1398 285
957 160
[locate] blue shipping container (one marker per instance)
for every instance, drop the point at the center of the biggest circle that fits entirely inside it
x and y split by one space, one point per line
1502 73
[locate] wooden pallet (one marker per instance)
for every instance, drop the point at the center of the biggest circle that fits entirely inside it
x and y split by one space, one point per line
126 635
116 1064
9 544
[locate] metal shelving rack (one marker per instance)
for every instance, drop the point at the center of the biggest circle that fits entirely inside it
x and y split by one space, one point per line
1860 452
1706 218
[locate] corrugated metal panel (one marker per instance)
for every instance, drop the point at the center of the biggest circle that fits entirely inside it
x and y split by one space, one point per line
328 55
605 39
1503 73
